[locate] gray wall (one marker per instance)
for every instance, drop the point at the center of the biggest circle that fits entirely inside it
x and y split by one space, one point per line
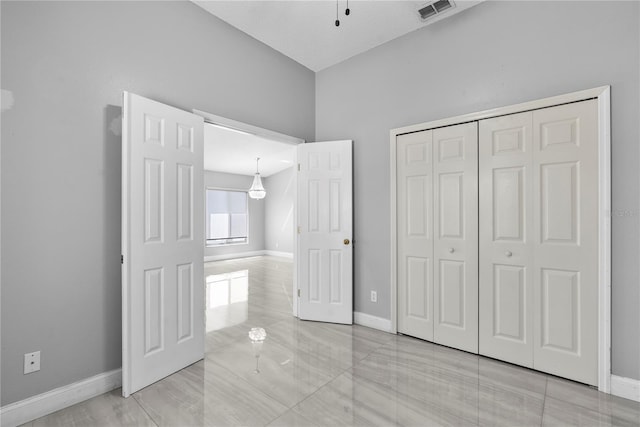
67 64
229 181
495 54
279 211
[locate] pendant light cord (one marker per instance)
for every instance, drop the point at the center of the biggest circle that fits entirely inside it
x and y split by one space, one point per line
257 160
347 12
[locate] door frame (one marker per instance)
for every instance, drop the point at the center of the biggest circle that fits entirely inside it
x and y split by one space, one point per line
280 137
603 96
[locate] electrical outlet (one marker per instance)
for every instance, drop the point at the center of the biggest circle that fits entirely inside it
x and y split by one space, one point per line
31 362
374 296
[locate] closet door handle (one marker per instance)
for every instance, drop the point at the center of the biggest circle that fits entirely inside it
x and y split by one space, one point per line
451 250
508 254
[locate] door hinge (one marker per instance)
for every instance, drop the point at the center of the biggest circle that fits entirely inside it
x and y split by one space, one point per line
121 259
298 167
299 229
298 293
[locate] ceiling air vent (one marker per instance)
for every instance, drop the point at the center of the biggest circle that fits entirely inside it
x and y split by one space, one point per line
430 10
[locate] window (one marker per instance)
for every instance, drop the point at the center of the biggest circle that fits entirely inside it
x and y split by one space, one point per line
227 215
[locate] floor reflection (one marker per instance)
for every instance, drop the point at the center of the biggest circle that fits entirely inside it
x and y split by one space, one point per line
245 293
227 296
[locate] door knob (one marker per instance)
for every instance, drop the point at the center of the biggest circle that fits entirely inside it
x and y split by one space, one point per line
508 254
346 241
451 250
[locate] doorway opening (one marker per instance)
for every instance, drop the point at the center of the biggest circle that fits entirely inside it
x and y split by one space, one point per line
250 243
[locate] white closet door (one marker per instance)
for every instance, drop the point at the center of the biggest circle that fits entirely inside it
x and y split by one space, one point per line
565 154
506 231
455 240
415 234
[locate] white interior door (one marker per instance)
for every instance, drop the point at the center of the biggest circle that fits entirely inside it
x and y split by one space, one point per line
437 217
565 252
455 237
506 233
414 170
325 232
538 239
162 241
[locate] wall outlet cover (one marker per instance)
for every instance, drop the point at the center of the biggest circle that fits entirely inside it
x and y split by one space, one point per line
31 362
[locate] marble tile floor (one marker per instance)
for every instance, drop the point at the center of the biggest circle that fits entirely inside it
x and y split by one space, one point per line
316 374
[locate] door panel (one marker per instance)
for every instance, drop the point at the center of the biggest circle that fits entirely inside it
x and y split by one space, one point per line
506 230
508 204
325 234
185 202
185 301
415 238
451 205
509 303
153 195
162 241
565 154
417 214
560 307
559 198
335 267
455 242
418 276
153 310
452 293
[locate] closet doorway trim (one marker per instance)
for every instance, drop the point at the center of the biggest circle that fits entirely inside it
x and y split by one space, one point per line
602 94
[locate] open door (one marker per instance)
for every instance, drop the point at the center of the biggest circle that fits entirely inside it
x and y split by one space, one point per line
162 241
325 232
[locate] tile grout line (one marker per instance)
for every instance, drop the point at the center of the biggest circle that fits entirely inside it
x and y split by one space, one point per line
337 376
145 410
254 388
544 401
320 387
312 394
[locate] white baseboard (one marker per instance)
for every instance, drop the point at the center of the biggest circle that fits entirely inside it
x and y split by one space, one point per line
370 321
51 401
222 257
625 387
280 254
209 258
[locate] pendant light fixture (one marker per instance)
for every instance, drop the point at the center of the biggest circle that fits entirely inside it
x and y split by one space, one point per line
257 191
